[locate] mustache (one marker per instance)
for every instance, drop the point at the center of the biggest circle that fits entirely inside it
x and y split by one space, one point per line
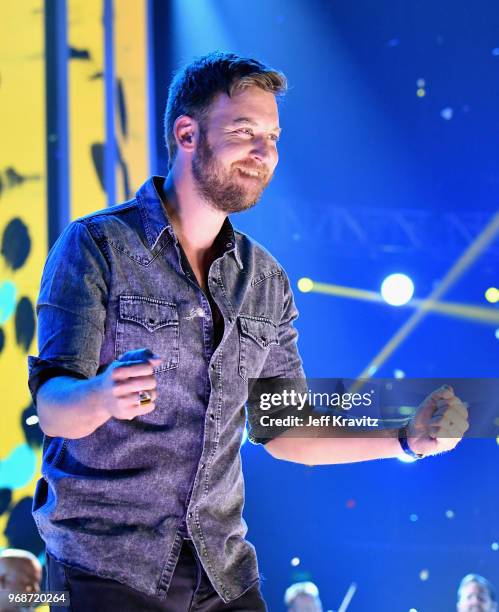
260 168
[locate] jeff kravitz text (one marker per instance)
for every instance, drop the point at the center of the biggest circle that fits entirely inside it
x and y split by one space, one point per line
325 420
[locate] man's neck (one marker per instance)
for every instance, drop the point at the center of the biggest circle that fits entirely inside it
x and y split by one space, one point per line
195 223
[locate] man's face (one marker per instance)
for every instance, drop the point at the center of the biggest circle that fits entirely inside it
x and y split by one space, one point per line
237 149
18 574
475 598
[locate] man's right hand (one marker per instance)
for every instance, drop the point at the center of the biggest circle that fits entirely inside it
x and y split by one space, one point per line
72 408
124 379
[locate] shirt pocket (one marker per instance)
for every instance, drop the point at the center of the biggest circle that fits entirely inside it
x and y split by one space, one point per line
256 337
145 322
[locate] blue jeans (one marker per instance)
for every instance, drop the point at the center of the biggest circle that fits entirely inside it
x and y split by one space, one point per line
190 590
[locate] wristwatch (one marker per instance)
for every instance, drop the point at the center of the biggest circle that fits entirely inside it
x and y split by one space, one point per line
402 436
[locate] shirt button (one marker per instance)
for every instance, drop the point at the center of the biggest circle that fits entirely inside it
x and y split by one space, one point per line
230 319
190 514
212 416
203 466
228 245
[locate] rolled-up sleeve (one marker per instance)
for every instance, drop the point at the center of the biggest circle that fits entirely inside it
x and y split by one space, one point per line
71 308
283 362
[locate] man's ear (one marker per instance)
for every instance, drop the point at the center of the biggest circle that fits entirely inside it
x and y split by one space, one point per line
185 130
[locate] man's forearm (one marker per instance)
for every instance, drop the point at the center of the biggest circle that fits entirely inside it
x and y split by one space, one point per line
69 407
366 445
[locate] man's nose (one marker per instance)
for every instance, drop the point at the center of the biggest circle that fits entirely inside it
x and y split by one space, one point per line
262 149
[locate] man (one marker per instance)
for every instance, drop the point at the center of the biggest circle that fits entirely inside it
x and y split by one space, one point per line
303 597
20 572
153 315
476 594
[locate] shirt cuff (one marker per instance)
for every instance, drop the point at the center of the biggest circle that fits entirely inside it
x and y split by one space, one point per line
41 370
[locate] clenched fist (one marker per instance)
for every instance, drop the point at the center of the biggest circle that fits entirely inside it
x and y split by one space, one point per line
124 379
439 424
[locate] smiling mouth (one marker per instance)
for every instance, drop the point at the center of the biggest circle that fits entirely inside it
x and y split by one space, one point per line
250 173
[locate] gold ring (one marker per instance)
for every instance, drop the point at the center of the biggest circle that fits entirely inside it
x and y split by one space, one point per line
144 398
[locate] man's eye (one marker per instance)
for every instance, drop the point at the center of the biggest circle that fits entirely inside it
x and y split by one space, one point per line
274 137
248 131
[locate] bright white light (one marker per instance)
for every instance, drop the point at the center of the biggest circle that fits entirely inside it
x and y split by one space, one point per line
399 374
305 284
397 289
32 420
495 546
295 561
497 333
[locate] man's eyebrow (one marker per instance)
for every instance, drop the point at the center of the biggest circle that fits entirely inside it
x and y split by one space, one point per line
251 122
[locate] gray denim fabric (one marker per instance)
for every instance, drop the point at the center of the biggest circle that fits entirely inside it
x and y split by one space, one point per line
112 503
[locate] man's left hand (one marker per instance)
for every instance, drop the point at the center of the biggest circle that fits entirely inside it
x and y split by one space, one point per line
439 423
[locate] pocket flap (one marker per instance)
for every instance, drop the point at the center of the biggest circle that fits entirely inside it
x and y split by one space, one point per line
261 330
151 313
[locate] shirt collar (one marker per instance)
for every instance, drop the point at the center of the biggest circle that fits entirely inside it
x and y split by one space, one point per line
155 219
225 242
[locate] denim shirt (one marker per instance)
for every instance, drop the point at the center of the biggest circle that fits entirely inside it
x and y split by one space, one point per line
115 502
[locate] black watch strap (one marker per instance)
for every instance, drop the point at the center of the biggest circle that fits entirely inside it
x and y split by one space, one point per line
402 436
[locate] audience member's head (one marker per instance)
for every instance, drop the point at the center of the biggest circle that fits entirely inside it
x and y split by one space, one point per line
20 571
476 594
303 597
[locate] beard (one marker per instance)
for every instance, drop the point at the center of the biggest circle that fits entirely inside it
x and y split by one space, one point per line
226 190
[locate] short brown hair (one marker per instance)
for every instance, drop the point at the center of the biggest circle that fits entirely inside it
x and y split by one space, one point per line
195 86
